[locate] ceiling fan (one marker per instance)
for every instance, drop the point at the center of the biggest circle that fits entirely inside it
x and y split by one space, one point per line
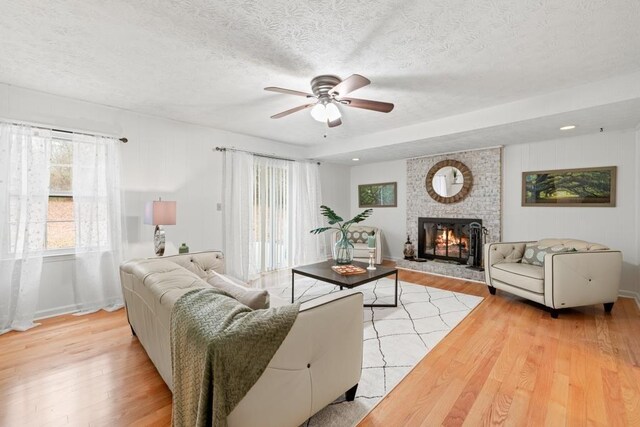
328 93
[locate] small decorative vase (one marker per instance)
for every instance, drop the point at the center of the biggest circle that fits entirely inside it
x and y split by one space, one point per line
409 251
183 249
343 250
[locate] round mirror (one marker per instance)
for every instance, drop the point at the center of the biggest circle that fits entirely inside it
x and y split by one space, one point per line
449 181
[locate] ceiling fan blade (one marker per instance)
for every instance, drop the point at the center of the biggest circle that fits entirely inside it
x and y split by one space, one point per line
382 107
288 91
348 85
291 111
336 122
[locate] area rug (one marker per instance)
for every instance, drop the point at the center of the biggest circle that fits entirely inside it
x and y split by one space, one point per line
395 339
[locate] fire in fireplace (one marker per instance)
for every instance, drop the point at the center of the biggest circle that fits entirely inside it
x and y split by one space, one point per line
445 238
450 243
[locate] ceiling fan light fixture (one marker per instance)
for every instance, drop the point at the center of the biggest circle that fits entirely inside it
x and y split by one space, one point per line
319 112
333 113
328 91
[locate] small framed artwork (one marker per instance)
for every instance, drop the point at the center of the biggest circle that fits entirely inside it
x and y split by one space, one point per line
570 187
383 195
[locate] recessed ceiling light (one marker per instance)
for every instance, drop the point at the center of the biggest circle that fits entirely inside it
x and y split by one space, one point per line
355 159
568 127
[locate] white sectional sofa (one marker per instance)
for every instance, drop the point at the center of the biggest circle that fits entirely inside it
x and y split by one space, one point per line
320 359
573 272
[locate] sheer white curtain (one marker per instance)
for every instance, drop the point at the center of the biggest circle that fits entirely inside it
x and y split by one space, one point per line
306 198
440 185
24 197
270 206
98 222
238 201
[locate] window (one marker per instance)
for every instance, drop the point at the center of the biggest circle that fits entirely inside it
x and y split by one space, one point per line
269 207
271 214
61 233
40 175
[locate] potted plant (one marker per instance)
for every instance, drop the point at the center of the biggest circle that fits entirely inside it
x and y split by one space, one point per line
343 248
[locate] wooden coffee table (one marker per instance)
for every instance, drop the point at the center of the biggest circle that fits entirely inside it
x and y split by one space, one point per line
322 271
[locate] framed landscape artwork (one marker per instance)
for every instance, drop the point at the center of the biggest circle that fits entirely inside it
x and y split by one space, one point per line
570 187
384 195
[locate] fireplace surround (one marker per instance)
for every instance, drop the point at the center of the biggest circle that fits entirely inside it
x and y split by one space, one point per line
484 202
446 239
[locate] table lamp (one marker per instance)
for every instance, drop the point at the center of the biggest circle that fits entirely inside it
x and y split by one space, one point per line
159 212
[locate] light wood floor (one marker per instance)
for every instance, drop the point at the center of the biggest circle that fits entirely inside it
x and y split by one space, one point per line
506 363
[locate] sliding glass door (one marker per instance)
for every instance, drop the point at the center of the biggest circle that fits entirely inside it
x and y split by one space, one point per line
271 207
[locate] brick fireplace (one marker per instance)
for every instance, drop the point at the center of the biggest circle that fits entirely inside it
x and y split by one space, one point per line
483 205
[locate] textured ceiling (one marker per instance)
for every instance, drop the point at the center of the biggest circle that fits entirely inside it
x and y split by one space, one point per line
206 62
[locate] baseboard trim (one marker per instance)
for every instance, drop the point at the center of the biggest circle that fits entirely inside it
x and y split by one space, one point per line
630 294
442 275
57 311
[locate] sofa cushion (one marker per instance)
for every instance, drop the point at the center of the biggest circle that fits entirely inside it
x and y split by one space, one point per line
199 263
360 234
276 301
534 253
578 245
360 250
255 299
524 276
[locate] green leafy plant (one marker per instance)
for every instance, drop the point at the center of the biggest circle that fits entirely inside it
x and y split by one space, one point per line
338 222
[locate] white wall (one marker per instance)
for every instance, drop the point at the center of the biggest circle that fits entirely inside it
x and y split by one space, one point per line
392 221
166 158
616 227
335 182
177 161
637 289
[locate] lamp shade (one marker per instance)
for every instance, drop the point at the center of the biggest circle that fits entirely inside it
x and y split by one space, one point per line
160 212
332 112
319 112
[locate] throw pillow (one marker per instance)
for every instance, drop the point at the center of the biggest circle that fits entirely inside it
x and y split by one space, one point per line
534 254
255 299
357 236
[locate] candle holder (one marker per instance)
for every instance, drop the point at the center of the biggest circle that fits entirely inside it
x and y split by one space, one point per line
372 266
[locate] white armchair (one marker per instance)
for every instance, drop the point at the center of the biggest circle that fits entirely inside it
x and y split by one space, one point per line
573 272
358 236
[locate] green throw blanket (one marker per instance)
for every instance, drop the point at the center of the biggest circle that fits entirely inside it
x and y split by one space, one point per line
219 349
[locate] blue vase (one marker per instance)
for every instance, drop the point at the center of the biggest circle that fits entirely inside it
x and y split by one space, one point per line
343 250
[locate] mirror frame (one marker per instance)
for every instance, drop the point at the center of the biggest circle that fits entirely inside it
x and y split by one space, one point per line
466 184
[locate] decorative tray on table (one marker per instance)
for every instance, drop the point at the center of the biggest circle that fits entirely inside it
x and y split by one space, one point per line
348 270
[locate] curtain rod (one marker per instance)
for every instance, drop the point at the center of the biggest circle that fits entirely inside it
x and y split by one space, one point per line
43 127
123 140
268 156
